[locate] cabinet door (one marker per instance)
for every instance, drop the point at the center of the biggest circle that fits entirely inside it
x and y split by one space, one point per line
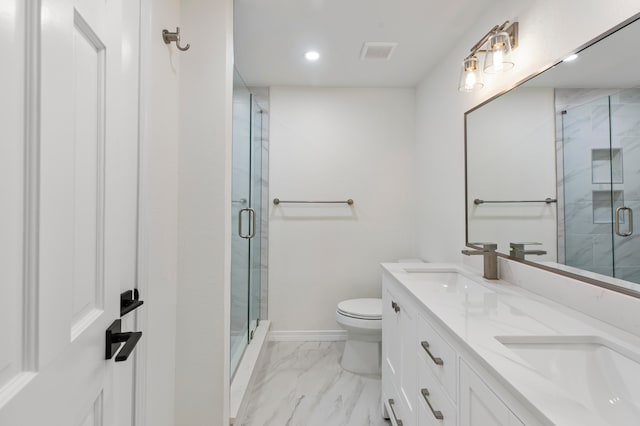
479 406
399 336
408 357
391 338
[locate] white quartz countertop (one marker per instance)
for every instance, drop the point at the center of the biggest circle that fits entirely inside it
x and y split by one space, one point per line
475 317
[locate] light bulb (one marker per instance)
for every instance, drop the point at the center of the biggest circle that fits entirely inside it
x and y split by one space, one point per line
498 60
470 81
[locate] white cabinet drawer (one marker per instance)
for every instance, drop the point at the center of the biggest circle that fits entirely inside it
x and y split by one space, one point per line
438 355
396 411
434 407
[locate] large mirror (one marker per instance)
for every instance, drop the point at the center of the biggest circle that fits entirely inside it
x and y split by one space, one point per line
553 166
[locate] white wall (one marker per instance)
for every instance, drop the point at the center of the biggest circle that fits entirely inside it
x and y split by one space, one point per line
520 125
204 211
335 144
548 31
158 212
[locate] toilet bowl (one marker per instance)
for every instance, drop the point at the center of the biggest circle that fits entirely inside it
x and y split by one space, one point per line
362 319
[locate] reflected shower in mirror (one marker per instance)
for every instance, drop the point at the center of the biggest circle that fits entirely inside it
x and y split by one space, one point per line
553 166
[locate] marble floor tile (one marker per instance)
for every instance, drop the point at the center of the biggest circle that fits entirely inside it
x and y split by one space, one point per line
302 384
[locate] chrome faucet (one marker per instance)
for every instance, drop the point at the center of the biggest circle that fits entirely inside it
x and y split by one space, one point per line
490 258
518 251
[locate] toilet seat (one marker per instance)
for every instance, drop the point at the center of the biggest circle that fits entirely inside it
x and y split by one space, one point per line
363 309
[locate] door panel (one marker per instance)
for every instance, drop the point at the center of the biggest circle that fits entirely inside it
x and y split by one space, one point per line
87 210
12 15
77 210
95 415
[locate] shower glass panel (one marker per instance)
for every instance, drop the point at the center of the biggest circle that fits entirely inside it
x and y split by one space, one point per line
246 229
255 249
624 116
601 181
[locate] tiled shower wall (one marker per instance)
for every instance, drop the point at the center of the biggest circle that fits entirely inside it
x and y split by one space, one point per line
598 141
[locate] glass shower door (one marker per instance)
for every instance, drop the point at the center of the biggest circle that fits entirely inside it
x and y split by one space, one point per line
624 113
246 233
587 184
240 221
601 168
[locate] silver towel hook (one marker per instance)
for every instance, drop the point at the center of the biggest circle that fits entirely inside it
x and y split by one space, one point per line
168 37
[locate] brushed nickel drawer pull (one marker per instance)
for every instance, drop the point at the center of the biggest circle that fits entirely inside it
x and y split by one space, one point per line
395 306
437 414
436 360
393 413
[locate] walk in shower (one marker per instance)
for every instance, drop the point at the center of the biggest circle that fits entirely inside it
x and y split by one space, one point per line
248 235
600 180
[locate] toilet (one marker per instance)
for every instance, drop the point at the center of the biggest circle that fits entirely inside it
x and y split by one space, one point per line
362 319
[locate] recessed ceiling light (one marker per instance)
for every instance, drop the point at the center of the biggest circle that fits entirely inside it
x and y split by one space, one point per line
570 58
312 55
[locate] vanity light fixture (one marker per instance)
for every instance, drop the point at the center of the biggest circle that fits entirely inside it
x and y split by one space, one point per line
570 58
497 45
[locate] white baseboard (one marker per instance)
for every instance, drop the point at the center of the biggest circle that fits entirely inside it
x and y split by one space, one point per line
307 335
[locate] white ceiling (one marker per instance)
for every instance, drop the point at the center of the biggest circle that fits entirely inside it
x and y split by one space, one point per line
271 37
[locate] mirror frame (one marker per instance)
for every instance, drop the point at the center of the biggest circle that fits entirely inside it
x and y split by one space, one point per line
588 280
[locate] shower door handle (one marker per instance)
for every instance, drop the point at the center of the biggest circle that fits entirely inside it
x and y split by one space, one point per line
251 234
617 222
252 212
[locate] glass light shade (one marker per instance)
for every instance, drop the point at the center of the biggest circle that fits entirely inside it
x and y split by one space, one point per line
470 76
498 56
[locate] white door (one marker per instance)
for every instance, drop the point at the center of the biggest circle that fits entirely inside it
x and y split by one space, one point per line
68 194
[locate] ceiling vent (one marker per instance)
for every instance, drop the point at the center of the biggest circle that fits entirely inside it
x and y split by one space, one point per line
377 50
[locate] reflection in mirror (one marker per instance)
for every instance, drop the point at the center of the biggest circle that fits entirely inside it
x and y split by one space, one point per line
553 166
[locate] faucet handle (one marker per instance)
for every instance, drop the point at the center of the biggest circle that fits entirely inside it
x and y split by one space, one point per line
518 251
520 246
487 246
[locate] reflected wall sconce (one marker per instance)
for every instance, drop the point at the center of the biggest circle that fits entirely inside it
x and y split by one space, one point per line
497 46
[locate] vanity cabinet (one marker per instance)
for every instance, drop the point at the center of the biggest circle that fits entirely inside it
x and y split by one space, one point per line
426 375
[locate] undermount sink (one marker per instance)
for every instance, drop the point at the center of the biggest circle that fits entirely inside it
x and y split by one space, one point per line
597 373
448 281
